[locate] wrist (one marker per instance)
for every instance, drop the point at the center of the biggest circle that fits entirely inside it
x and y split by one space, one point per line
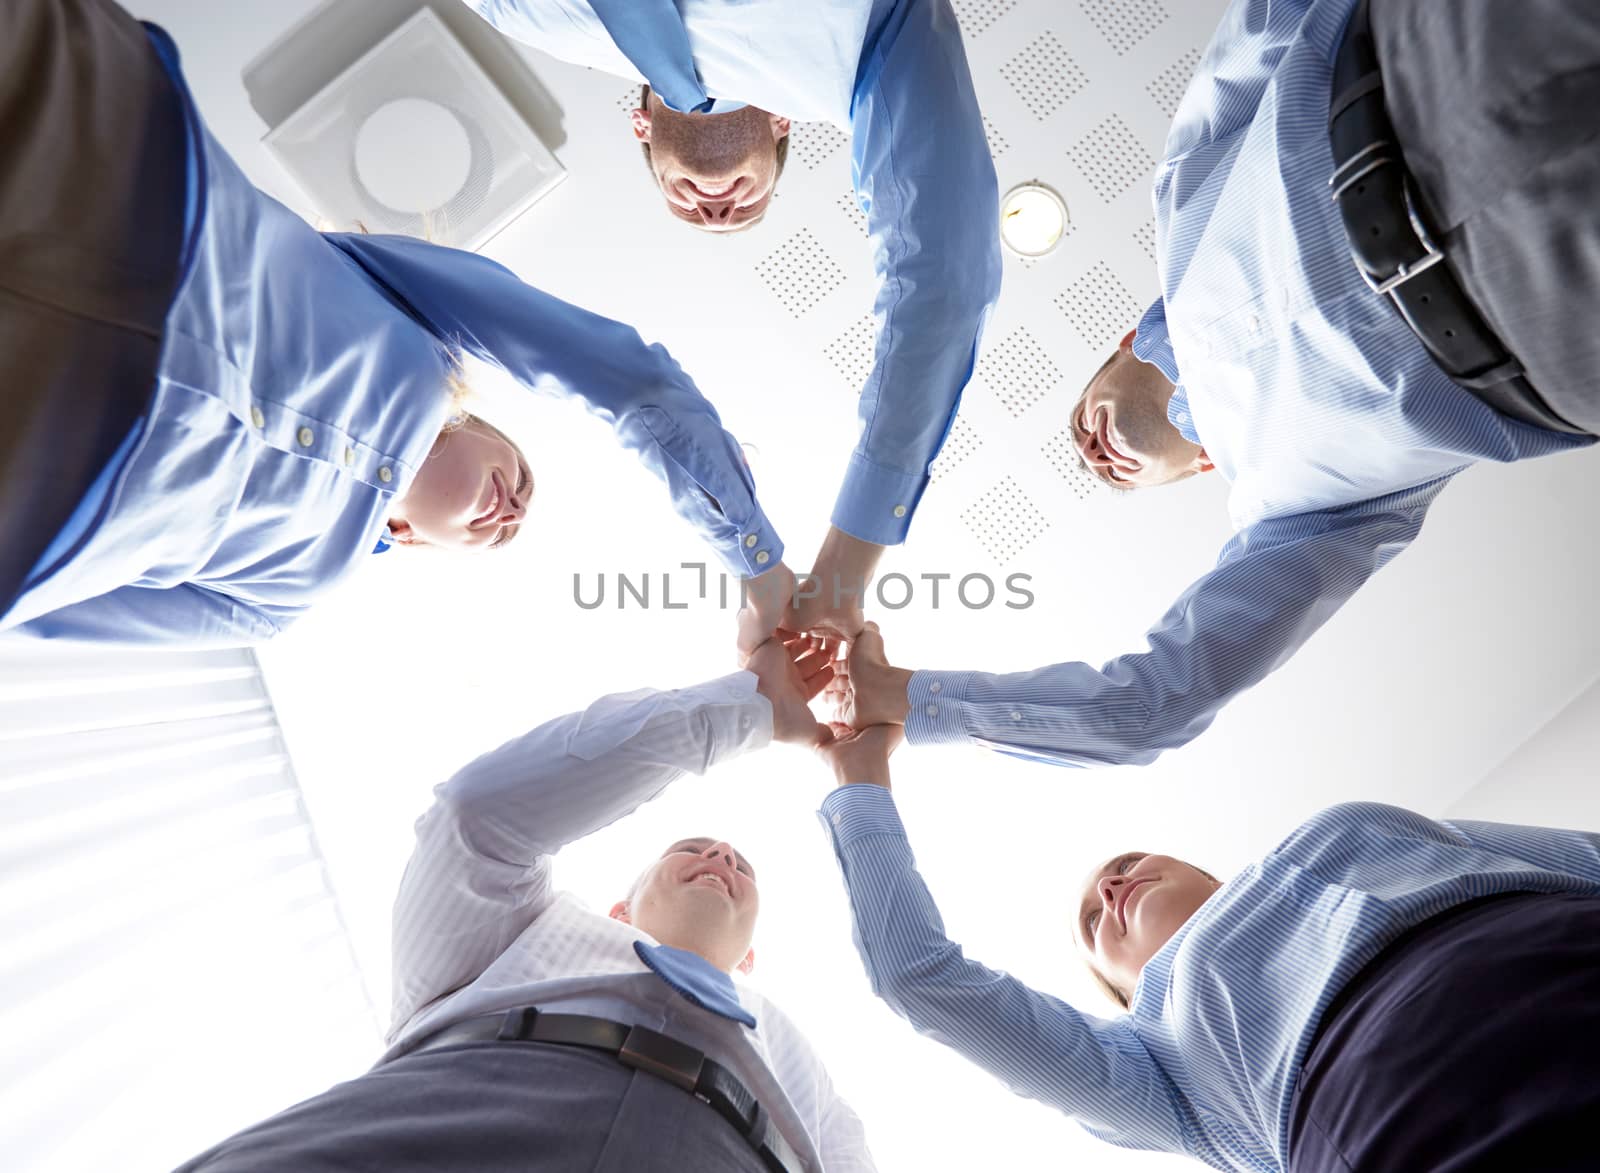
897 696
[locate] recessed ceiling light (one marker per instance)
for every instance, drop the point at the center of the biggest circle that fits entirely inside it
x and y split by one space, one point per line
1033 218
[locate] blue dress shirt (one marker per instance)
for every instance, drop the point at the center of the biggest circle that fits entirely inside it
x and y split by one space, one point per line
302 383
885 71
1331 423
1205 1062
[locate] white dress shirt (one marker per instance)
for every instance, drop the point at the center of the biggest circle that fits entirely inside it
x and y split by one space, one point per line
479 928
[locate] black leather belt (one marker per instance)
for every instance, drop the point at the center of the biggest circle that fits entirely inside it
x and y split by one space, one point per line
1393 249
634 1046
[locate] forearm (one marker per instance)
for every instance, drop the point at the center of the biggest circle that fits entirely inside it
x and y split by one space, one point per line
1037 1045
931 204
559 349
480 873
1274 586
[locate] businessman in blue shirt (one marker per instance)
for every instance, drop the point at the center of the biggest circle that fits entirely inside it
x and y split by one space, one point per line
1378 992
723 83
214 414
1273 359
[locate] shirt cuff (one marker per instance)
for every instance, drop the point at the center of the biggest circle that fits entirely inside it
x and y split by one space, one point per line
855 812
740 717
936 700
875 504
754 547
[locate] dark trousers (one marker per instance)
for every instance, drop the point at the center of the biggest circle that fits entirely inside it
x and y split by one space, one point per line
1472 1045
92 190
492 1108
1497 107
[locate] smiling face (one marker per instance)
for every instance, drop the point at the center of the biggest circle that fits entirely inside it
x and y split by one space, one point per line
701 896
1121 430
1130 907
717 171
471 493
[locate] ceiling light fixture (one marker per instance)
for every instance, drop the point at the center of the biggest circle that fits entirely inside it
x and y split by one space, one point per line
1033 219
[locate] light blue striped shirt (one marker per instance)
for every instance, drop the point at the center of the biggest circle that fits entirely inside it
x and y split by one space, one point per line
886 71
1206 1060
1332 425
302 383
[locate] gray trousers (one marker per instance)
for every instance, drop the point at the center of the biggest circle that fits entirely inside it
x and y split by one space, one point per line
491 1108
1497 107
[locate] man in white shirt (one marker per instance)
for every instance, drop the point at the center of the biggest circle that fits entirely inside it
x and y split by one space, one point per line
529 1033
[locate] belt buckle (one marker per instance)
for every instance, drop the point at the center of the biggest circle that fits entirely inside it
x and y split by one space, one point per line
1430 257
677 1063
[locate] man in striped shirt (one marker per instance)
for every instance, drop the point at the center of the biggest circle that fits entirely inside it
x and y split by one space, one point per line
1272 360
531 1034
1378 993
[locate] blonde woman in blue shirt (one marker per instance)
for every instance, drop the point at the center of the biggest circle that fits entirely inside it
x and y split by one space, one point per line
214 413
1380 992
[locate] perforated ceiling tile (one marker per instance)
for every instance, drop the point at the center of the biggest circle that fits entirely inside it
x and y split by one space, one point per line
852 352
799 273
961 443
977 15
1112 159
997 143
1004 520
1062 456
1123 23
1044 77
813 142
852 210
1145 234
1099 307
1018 371
1169 86
628 100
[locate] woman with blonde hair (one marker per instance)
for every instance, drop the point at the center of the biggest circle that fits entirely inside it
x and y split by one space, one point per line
212 413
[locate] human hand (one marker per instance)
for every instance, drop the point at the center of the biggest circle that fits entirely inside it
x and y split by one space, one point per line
768 600
860 755
866 689
830 599
791 669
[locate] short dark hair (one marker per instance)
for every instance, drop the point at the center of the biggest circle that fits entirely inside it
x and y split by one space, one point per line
644 104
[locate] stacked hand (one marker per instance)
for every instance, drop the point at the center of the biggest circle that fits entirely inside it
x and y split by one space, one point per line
791 670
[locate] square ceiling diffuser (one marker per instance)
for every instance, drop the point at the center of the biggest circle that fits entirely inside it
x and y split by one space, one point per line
415 138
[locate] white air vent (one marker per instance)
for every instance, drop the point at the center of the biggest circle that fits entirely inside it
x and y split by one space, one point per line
415 138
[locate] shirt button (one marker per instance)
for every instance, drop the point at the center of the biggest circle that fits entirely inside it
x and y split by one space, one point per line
932 710
1255 324
749 541
305 436
836 820
349 455
763 558
935 686
899 510
1016 716
386 474
256 417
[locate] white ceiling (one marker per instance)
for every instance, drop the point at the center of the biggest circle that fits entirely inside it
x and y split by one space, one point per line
1439 669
